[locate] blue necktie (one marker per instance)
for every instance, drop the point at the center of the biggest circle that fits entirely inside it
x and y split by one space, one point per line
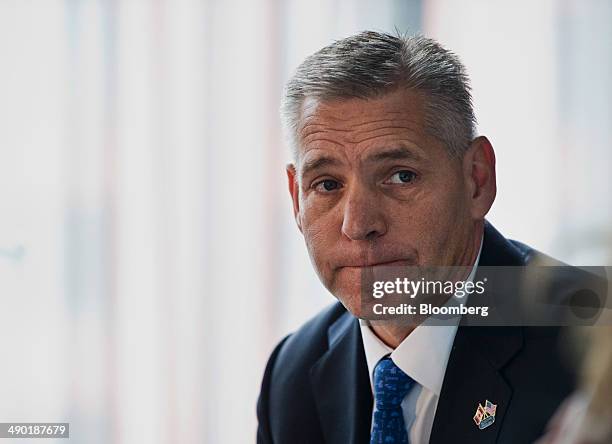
391 385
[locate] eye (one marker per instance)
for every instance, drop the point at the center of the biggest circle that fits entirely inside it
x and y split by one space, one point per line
403 176
327 185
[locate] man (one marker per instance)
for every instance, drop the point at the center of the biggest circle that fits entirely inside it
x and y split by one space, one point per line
388 172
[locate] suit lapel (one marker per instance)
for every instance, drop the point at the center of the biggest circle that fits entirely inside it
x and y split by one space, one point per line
472 377
473 371
341 388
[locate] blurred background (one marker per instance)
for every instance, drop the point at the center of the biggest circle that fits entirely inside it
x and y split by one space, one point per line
149 261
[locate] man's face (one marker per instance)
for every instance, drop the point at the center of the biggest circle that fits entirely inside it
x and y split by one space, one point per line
374 189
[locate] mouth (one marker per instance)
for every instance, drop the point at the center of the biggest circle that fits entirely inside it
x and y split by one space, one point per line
385 263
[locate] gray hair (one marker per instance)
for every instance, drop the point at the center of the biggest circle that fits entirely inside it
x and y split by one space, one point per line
371 64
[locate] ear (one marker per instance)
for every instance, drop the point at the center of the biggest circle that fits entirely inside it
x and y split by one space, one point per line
294 191
479 174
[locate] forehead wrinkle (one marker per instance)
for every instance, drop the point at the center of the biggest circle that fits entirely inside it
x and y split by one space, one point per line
318 135
311 129
372 137
316 163
344 117
409 140
313 140
391 122
403 151
316 111
386 131
314 128
372 122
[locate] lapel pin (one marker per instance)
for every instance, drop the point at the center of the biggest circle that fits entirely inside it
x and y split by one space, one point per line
485 416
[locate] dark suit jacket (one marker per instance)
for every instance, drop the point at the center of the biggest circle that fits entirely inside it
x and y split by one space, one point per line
316 387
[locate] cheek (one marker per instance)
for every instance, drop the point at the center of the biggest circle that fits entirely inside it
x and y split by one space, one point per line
320 234
448 225
423 214
317 239
429 222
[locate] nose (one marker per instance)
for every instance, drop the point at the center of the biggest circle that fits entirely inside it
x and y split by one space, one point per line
363 215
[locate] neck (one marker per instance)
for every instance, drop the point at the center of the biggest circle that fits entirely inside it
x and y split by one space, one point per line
393 334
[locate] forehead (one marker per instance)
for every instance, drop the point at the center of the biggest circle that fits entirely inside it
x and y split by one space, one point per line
360 123
404 101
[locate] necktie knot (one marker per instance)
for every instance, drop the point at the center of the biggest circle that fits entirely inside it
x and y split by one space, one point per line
391 385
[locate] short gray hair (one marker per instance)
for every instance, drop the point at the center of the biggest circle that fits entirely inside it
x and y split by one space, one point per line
371 64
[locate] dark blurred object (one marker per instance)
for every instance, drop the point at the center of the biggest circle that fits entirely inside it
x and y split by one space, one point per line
586 416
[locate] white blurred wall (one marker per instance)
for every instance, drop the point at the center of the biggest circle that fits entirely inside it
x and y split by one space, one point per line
148 257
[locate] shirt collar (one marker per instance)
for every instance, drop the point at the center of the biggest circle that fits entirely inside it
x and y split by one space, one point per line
422 355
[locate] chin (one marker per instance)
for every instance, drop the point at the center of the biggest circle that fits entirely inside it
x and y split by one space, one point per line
352 303
349 294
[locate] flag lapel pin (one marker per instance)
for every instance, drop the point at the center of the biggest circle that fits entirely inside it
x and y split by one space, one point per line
485 415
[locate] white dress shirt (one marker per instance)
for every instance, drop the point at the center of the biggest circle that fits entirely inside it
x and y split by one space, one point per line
423 356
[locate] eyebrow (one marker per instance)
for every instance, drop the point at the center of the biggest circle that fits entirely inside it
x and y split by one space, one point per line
399 153
318 162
